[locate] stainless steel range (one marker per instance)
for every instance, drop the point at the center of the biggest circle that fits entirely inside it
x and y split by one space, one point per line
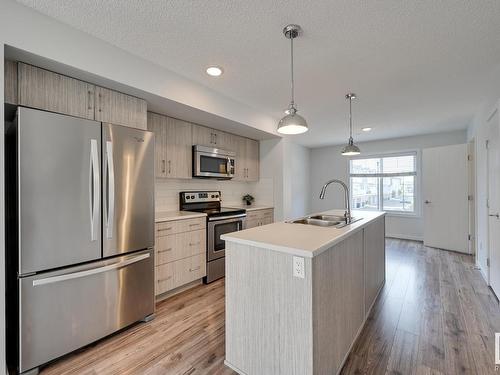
220 220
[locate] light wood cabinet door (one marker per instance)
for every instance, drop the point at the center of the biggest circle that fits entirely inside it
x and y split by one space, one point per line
158 125
252 160
120 109
40 88
10 82
240 163
374 260
179 153
203 136
211 137
179 246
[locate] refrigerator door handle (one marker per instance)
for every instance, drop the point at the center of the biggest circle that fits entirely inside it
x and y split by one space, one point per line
93 271
111 190
94 188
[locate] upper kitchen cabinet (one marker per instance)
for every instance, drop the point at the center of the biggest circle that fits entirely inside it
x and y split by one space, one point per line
179 148
40 88
211 137
252 160
120 109
173 155
10 78
158 125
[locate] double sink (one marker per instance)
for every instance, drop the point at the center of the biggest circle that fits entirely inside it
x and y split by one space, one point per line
325 221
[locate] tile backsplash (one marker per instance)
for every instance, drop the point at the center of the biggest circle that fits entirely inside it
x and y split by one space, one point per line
167 191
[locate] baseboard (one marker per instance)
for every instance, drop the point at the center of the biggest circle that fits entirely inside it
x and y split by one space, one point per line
404 237
234 368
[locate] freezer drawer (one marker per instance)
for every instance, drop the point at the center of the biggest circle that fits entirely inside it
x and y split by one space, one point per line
64 310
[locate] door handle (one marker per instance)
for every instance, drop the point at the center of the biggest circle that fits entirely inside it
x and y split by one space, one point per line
494 215
427 202
111 190
94 188
93 271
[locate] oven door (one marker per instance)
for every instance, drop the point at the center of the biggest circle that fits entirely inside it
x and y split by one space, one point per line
212 163
216 247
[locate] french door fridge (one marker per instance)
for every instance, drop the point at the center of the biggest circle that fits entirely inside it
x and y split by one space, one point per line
80 233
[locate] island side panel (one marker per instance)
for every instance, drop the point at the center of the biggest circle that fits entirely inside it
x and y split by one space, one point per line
338 302
374 260
268 313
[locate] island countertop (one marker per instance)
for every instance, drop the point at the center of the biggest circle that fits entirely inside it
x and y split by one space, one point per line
301 239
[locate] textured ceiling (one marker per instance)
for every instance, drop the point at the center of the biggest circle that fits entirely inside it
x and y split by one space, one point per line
417 66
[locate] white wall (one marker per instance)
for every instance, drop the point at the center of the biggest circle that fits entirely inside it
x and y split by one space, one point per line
479 132
297 189
288 165
328 163
2 224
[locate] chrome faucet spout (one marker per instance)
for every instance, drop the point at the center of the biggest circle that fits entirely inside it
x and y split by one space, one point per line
347 203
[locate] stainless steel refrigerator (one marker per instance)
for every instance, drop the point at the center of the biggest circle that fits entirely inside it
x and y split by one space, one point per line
80 233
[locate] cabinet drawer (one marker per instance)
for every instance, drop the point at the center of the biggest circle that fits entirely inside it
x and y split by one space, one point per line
253 215
179 226
178 246
175 274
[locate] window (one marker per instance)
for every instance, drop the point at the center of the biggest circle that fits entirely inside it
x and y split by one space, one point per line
385 183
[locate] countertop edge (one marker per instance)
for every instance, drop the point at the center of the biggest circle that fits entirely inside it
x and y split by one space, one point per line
177 215
301 252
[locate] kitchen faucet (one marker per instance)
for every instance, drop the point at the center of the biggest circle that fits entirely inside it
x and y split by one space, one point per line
347 213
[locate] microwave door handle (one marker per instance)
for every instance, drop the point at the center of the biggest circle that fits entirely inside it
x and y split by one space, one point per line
228 166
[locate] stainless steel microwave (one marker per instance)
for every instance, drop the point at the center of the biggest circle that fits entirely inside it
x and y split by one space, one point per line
211 162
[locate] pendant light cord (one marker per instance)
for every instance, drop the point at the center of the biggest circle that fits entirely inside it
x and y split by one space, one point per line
350 117
292 82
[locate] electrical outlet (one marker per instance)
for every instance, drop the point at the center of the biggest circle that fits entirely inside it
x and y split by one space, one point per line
299 267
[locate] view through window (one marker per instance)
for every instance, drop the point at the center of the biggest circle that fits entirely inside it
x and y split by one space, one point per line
384 183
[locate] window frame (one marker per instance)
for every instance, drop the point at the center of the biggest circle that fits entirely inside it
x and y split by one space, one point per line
417 175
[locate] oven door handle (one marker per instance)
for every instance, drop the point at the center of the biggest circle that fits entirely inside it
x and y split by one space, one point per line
227 217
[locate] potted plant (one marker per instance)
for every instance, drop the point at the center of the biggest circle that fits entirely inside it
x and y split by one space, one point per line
248 199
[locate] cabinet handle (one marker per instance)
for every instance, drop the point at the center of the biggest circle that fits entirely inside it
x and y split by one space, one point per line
215 138
100 96
194 225
164 250
194 269
169 167
164 279
89 99
163 166
194 243
164 229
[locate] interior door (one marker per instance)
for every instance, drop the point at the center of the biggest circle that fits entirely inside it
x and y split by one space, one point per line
128 189
445 195
494 201
59 190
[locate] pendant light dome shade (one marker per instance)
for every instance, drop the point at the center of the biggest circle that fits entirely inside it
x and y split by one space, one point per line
350 149
292 123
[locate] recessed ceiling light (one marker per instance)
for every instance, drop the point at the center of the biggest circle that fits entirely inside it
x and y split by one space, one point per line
367 129
214 71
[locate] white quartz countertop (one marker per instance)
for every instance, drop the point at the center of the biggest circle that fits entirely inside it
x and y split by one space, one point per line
248 208
176 215
301 239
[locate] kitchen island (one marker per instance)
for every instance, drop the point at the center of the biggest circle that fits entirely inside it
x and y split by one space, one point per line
298 295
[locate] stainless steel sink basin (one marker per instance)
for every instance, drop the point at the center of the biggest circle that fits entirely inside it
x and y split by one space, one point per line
329 218
313 221
324 221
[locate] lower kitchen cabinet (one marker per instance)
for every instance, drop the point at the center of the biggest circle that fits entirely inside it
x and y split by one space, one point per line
257 218
180 253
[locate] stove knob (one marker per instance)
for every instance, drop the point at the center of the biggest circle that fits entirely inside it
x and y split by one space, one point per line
187 196
192 196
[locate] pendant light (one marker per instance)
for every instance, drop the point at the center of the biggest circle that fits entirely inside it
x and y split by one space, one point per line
350 149
292 123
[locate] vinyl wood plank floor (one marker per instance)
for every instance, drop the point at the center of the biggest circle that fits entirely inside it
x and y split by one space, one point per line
435 315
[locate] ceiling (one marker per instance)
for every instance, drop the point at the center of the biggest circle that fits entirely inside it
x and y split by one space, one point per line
418 67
